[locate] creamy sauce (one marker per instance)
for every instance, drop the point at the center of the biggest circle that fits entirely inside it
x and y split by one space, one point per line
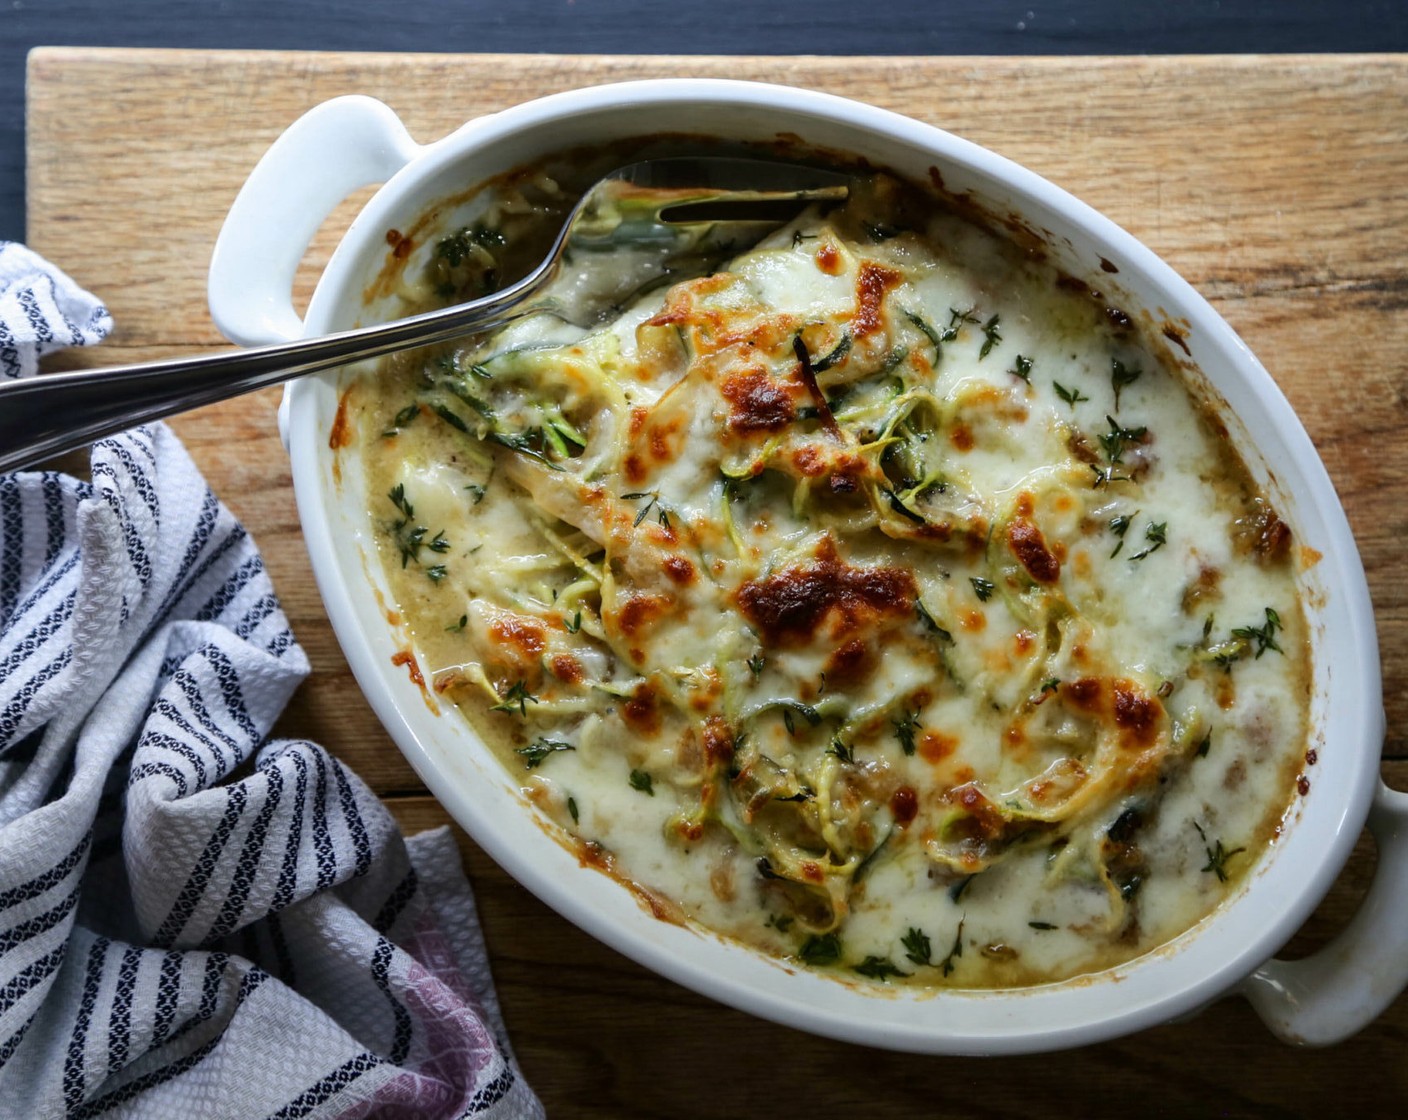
882 600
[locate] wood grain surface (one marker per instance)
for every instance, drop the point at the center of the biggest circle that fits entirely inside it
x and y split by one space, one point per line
1277 185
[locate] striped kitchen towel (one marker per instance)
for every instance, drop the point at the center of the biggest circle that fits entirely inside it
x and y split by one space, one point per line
196 921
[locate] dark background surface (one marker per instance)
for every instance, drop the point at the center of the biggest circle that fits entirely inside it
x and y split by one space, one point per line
675 27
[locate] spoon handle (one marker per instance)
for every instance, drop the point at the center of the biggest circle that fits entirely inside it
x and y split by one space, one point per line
53 413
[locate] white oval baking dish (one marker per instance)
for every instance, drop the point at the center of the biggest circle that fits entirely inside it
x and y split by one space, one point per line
354 141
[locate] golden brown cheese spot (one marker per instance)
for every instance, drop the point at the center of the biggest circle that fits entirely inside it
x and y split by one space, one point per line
567 668
828 259
961 436
718 741
849 664
680 570
871 285
637 612
973 621
1137 715
1085 693
634 468
1029 546
934 746
759 404
904 805
524 637
642 711
790 606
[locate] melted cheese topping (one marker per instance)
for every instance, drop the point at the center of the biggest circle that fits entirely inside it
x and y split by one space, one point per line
882 600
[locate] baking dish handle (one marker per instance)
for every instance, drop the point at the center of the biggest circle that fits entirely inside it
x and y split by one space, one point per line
1328 996
329 152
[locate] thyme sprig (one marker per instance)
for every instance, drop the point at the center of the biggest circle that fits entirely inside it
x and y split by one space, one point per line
538 750
1122 375
917 948
1264 636
517 698
992 335
1072 397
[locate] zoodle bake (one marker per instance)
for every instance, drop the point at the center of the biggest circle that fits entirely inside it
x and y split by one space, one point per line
885 599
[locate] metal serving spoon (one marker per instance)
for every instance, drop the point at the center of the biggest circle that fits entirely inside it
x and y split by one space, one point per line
692 212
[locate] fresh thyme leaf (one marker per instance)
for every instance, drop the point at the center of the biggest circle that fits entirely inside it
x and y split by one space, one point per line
1122 375
404 417
1071 396
476 492
572 809
409 539
983 588
835 357
481 372
437 572
1022 368
397 496
821 949
642 781
787 722
440 544
1106 475
1157 536
517 698
1051 685
1264 636
1117 439
905 727
450 418
992 335
755 665
1041 925
1120 526
1217 855
947 964
1204 746
458 626
841 750
574 624
879 968
916 946
956 317
955 892
539 749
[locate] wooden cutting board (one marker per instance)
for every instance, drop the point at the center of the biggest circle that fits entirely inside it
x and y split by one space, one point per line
1277 185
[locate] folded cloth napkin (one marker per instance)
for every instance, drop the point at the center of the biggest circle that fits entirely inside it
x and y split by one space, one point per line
194 921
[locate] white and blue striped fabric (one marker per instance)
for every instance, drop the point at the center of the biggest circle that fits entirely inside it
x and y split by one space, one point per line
196 921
